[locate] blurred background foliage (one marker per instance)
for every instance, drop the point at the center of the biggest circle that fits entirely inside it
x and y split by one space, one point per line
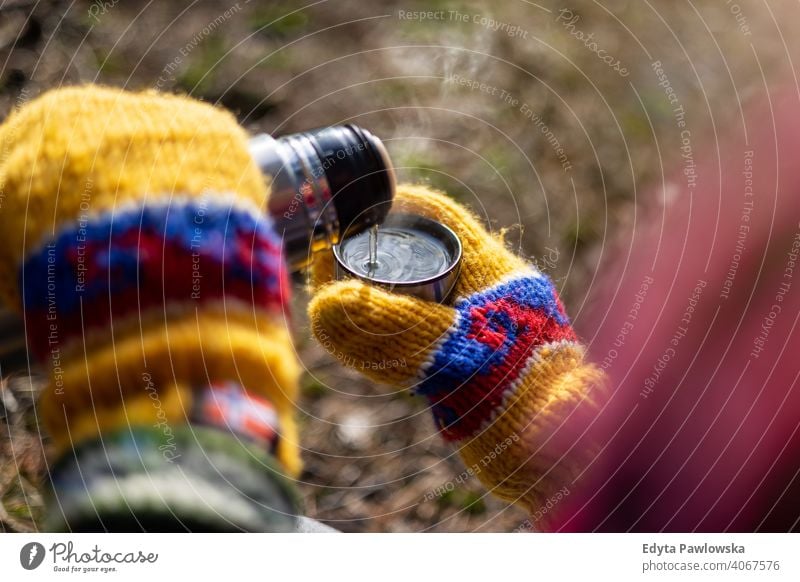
373 458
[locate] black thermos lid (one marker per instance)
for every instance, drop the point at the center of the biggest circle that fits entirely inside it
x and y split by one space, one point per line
359 174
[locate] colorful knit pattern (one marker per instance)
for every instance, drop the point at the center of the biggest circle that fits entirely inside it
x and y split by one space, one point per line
478 364
133 235
228 406
500 367
148 256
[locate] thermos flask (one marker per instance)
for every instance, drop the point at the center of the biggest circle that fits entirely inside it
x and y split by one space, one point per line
329 186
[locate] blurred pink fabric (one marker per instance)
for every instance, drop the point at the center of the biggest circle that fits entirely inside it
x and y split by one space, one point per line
696 323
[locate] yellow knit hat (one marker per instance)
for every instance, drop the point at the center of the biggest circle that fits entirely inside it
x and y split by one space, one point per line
134 239
500 365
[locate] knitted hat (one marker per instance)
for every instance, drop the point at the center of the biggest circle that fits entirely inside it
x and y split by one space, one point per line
500 366
133 237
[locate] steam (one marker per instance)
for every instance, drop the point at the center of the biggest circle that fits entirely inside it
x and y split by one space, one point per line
452 49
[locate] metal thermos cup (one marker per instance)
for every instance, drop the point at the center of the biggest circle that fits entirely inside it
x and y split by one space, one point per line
443 263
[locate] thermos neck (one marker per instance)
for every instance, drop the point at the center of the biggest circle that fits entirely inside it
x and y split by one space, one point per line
324 184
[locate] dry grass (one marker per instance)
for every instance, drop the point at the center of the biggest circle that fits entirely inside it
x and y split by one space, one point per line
22 470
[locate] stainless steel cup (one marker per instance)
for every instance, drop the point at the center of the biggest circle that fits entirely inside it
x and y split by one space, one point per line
436 287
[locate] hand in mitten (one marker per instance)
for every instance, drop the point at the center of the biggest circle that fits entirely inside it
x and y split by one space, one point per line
499 364
133 237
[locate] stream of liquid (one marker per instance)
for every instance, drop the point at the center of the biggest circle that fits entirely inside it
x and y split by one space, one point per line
396 255
372 263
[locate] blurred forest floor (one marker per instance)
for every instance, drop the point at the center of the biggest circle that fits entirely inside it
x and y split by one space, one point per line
507 106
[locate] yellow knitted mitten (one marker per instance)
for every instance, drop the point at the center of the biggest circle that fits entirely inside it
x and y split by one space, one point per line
500 366
133 235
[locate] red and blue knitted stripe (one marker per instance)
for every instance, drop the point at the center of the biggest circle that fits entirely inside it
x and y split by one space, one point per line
150 256
495 334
